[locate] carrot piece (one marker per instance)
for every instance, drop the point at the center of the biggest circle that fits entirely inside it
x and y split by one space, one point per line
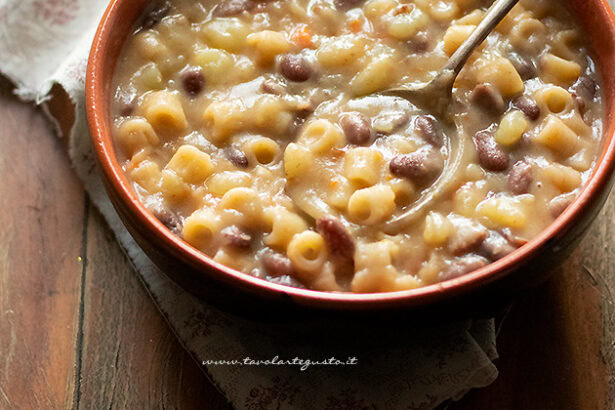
303 37
355 25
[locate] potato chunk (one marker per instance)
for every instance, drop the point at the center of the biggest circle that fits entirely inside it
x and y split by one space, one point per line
502 75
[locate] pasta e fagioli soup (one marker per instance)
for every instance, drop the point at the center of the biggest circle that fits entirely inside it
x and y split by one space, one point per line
255 131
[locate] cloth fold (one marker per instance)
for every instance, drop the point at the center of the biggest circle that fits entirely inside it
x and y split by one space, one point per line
46 42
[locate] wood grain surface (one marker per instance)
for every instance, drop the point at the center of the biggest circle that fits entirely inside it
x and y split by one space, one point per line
78 330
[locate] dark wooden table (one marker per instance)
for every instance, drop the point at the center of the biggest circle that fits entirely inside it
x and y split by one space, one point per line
77 329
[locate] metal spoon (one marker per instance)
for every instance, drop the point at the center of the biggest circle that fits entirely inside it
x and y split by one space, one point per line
435 97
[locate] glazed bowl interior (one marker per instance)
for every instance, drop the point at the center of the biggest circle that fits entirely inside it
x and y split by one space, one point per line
596 19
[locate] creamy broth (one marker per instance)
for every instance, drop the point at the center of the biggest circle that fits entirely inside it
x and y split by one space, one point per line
253 129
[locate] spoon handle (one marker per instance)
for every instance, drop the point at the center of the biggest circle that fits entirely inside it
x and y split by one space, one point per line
495 14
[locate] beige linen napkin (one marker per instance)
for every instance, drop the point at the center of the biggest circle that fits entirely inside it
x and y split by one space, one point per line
46 42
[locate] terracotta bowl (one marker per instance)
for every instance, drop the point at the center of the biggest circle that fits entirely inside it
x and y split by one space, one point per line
477 292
